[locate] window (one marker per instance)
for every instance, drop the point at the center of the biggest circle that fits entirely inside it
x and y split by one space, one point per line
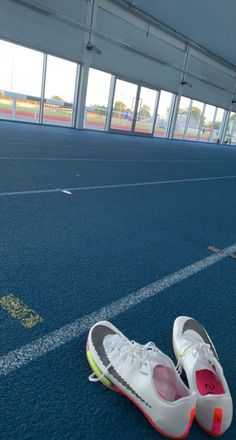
207 125
146 110
194 120
123 105
215 135
182 114
20 82
230 136
59 91
97 99
163 113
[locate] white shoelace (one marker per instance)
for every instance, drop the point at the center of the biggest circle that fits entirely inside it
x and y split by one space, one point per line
133 349
197 349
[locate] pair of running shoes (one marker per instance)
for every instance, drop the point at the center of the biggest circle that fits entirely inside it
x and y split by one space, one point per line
148 377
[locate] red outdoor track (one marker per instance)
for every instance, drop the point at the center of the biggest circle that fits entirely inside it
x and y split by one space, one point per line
34 116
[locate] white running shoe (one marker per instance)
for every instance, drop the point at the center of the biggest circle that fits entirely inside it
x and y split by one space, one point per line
143 374
197 355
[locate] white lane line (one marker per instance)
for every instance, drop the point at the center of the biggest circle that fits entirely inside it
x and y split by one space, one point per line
26 354
121 185
83 159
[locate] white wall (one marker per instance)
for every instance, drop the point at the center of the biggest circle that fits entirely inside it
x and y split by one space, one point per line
128 51
33 29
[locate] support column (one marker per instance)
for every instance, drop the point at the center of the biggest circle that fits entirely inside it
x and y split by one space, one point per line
87 62
232 130
80 111
213 126
173 116
174 113
45 58
225 121
136 106
155 110
188 119
14 108
201 122
76 95
110 102
223 127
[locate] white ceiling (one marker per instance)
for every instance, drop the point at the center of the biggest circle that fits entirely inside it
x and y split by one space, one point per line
210 23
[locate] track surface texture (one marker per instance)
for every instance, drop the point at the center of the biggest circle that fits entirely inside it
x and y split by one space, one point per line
69 256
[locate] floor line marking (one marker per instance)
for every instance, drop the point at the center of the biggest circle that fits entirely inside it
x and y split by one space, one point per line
82 159
26 354
119 185
18 310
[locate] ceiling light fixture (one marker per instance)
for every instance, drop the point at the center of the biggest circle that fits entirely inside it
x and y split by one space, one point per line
91 47
186 83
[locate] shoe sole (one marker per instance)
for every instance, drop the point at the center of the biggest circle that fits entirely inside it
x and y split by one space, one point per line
107 382
211 433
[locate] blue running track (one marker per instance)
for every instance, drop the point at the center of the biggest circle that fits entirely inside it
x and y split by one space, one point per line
67 255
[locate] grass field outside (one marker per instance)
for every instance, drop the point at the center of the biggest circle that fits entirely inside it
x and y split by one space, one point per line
30 112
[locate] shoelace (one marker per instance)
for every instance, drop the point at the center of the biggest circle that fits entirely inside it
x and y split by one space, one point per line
197 349
137 351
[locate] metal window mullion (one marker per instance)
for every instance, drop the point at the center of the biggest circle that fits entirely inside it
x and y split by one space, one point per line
76 95
201 122
224 125
173 115
84 68
81 106
233 128
44 73
14 108
175 109
137 98
226 118
230 131
158 93
188 119
110 102
213 125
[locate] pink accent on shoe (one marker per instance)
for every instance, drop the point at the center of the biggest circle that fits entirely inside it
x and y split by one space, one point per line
208 383
216 424
217 421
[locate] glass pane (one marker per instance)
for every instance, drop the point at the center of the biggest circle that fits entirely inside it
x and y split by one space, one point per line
163 113
27 110
206 128
194 121
123 105
97 99
233 133
59 91
146 110
217 125
181 117
20 82
6 106
230 136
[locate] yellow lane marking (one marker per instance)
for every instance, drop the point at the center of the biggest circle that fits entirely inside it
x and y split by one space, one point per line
18 310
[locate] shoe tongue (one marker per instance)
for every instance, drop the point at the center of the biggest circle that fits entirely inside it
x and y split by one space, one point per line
116 342
192 337
203 363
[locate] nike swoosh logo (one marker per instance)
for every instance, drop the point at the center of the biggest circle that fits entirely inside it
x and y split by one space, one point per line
97 337
192 324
